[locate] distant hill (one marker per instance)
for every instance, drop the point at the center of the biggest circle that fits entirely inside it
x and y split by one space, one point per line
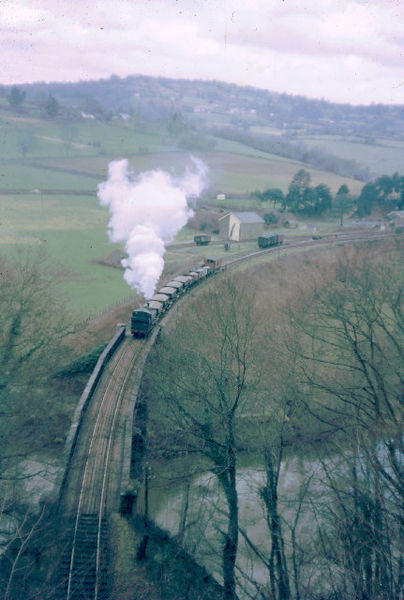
360 142
214 103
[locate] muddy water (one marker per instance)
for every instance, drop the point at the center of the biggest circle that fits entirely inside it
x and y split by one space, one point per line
184 498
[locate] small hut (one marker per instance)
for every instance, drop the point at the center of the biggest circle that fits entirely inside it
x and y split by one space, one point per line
241 226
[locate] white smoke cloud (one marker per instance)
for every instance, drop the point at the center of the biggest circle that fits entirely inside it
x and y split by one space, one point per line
147 211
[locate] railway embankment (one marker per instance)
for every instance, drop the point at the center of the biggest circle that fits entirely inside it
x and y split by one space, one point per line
85 398
163 568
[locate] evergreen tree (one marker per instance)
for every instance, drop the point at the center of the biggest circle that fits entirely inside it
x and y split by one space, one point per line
323 198
368 197
342 204
297 188
16 96
52 107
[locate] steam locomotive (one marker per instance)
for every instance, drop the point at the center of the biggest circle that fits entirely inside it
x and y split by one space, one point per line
144 319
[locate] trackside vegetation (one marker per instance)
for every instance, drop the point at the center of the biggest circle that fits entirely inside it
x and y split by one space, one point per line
328 387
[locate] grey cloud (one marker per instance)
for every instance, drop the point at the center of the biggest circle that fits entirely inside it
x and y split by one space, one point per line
384 52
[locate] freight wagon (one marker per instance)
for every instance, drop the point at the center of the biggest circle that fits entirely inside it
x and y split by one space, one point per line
144 319
266 241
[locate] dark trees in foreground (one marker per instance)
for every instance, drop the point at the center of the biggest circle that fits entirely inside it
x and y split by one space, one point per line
32 323
350 355
207 393
338 376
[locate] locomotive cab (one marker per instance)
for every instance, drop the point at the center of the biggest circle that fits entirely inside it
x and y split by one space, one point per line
142 322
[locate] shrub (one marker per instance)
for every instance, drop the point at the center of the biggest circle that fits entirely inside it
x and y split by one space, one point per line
270 218
203 221
84 364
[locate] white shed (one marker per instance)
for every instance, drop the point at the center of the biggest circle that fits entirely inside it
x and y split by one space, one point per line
239 226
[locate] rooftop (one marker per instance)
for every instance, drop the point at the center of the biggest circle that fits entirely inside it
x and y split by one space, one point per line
246 217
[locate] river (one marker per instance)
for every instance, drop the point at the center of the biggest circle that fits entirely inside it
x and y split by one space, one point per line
184 499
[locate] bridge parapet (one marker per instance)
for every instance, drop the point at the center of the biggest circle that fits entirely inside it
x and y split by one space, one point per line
82 405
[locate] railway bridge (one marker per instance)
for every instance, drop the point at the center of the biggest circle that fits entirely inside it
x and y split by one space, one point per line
98 466
99 450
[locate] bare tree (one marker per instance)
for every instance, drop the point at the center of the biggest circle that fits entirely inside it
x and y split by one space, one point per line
274 414
69 134
32 323
350 356
351 342
228 384
204 373
26 142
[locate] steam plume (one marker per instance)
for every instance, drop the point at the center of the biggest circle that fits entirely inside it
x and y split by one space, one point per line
147 211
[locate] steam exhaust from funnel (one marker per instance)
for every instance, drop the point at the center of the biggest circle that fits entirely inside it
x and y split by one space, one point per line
147 211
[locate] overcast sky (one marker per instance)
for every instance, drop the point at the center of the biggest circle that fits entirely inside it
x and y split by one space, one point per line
339 50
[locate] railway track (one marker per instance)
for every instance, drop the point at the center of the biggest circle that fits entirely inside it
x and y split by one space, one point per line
92 487
93 483
332 239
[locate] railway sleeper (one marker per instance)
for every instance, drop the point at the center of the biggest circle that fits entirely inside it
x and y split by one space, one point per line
82 573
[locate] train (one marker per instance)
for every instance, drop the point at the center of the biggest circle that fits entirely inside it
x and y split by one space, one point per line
202 240
273 239
145 318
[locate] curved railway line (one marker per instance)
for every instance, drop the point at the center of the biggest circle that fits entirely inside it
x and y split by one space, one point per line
93 482
90 501
94 478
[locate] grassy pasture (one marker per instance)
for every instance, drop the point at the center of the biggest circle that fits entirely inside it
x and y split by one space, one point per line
233 147
265 130
384 157
14 176
72 230
242 174
85 137
228 172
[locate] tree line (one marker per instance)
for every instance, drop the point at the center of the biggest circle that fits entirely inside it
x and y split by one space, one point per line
386 193
260 377
49 107
126 93
34 412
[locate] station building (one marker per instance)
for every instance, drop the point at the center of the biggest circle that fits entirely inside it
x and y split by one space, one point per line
241 226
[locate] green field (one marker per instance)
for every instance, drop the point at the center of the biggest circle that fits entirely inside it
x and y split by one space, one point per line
382 157
72 231
79 138
240 173
29 177
62 166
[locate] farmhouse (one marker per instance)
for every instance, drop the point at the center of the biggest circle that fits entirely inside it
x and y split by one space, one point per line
239 226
